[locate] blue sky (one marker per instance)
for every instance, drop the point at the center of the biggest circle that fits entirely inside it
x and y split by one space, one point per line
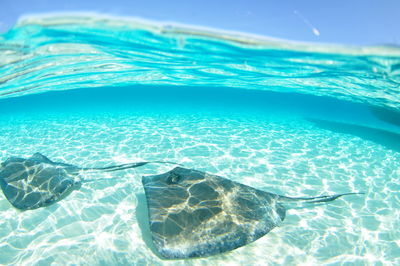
365 22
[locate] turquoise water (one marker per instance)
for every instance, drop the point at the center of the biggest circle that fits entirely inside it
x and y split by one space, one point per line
289 118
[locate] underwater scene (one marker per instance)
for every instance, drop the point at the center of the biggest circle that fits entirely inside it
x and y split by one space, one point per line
126 121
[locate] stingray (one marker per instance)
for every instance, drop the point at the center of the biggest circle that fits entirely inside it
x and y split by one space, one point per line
196 214
39 182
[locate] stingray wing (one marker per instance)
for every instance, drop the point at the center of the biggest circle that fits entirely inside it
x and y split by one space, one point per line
31 184
40 158
195 214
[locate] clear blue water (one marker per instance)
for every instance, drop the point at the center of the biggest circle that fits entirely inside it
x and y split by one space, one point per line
288 118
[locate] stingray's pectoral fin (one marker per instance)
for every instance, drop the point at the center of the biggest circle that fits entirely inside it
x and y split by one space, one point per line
124 166
40 157
319 199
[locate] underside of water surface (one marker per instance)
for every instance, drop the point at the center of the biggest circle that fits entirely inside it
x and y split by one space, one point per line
290 118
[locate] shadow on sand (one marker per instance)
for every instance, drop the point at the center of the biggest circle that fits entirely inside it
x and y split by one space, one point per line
382 137
388 115
142 216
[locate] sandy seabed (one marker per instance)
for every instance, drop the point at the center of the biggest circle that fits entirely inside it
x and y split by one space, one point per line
104 222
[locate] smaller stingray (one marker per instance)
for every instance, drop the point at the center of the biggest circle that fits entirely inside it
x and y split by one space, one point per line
196 214
39 182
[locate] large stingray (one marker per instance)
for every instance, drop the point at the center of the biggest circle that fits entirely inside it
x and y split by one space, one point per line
39 182
196 214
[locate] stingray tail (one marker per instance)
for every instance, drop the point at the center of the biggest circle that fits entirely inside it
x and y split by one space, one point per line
123 166
320 198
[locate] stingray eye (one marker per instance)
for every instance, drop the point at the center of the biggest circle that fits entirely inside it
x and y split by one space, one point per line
173 179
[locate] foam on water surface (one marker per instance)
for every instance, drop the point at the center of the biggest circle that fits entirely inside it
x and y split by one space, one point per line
292 120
